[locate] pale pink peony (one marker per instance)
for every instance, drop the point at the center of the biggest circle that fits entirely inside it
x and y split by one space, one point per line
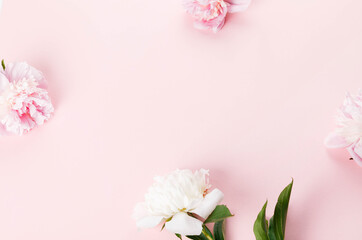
24 100
210 14
349 132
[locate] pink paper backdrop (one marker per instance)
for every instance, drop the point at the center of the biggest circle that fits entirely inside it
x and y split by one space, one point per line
138 92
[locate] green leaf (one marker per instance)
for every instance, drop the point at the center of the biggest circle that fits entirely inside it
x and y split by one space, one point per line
178 235
278 221
261 225
195 237
219 230
271 233
220 213
3 64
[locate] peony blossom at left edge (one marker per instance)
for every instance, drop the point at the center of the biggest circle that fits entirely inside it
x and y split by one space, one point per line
24 100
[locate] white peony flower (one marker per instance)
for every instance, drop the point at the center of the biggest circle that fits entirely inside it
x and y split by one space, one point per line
175 200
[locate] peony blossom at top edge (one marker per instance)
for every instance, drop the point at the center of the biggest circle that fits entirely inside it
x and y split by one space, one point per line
211 14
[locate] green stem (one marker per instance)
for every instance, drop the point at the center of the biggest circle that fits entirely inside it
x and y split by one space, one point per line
205 233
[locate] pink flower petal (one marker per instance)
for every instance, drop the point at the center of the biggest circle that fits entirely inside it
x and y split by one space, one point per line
3 131
238 5
334 140
207 14
218 28
17 71
356 152
4 82
200 25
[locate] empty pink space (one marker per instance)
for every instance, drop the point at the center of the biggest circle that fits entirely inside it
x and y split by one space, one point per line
139 92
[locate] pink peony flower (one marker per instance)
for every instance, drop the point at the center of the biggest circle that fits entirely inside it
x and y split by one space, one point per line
24 101
349 133
210 14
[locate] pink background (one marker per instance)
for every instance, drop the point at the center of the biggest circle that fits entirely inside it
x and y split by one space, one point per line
138 92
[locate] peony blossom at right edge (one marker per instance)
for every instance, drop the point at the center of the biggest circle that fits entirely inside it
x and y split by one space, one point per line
348 133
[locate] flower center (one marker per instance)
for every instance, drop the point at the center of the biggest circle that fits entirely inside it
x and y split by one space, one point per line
210 10
16 91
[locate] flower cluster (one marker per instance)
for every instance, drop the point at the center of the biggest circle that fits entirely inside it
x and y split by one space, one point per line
210 14
349 132
24 101
178 200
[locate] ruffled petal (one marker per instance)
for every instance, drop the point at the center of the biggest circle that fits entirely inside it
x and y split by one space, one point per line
335 140
200 25
209 203
184 224
218 28
20 70
16 71
3 131
356 152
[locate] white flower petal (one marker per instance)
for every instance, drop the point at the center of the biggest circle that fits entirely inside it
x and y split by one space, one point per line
178 190
149 221
184 224
143 219
209 203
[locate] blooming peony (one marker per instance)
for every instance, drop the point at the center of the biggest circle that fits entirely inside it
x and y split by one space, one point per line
24 102
176 199
210 14
349 133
